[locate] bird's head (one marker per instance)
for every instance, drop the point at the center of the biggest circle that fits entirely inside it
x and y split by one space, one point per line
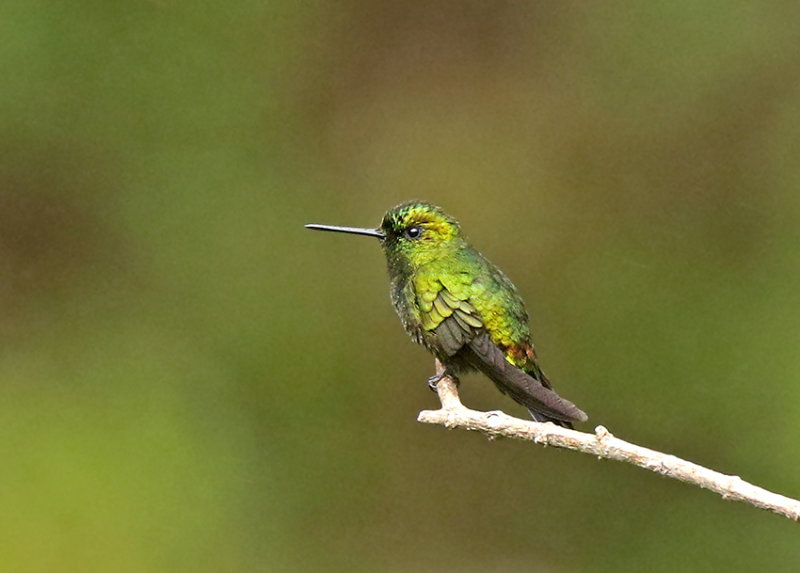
416 233
411 234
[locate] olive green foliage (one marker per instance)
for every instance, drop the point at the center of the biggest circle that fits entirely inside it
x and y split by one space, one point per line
191 381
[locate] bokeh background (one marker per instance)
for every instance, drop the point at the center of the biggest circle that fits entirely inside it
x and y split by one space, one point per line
190 381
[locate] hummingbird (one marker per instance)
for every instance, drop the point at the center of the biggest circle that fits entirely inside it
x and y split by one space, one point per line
462 308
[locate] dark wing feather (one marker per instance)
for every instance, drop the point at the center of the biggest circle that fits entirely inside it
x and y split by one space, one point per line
451 335
482 354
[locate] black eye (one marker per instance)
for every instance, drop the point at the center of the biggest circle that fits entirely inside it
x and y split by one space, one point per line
414 232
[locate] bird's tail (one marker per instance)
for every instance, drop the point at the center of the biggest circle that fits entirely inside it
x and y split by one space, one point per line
539 417
542 402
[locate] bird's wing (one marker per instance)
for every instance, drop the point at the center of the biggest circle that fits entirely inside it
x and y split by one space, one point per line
445 311
522 387
451 318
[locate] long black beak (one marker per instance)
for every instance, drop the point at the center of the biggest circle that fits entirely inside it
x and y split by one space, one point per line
351 230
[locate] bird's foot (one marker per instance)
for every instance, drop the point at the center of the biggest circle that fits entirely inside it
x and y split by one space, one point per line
434 380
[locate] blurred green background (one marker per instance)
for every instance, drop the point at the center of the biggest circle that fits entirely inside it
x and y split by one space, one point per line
193 382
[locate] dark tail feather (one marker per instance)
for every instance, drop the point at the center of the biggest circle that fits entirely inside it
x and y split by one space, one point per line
543 403
543 418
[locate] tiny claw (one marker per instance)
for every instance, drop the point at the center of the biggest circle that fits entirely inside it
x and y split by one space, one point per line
435 379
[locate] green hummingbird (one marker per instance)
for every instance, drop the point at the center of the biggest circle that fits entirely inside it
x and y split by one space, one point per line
461 307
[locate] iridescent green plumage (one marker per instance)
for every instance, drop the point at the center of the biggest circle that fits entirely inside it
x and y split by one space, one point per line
461 307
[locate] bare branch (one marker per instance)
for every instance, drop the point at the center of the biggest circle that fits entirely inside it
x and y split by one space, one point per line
602 444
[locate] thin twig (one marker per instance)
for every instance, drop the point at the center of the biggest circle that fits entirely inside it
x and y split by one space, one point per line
602 444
